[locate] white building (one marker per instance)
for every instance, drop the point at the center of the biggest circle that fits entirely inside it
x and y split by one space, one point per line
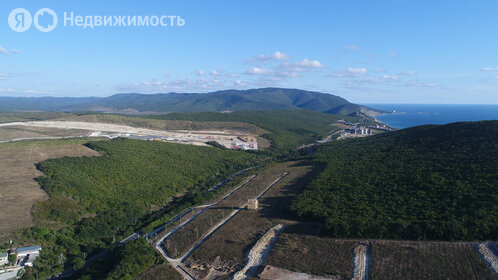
4 258
27 255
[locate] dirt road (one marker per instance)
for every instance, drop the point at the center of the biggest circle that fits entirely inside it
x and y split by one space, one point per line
258 253
360 271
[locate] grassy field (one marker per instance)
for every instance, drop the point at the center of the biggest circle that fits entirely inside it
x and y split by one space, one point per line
427 260
230 244
313 255
18 189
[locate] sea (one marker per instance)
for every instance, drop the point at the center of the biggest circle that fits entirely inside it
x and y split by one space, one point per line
408 115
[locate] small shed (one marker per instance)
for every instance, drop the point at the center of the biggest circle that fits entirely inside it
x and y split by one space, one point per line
252 204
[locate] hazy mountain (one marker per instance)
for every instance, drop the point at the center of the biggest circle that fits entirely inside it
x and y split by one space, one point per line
232 100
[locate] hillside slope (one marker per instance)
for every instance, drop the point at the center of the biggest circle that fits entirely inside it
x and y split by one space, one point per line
232 100
427 182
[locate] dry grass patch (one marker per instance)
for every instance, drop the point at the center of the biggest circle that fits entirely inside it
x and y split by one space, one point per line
427 260
16 132
18 189
313 255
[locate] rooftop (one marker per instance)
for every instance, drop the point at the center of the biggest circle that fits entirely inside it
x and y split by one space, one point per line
31 248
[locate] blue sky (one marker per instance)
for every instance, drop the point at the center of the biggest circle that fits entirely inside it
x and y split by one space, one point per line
366 51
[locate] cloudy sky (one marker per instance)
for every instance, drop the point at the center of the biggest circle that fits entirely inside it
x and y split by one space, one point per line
366 51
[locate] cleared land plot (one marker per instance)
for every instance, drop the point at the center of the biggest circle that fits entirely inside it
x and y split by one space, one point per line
236 127
16 132
226 249
182 240
313 255
179 243
18 189
427 260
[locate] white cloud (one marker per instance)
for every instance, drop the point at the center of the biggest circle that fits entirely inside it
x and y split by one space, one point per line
180 85
215 73
350 72
408 73
389 78
379 70
32 91
287 69
222 73
200 72
263 58
258 71
279 56
310 64
496 78
352 48
393 54
239 84
420 84
5 51
489 69
12 90
8 90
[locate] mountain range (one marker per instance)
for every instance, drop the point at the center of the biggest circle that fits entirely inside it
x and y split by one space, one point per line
226 100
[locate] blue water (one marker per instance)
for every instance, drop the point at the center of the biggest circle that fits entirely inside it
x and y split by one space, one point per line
408 115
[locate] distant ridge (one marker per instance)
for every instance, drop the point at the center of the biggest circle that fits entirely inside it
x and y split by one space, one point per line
226 100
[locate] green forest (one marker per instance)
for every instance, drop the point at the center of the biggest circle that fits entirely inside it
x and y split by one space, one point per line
422 183
96 200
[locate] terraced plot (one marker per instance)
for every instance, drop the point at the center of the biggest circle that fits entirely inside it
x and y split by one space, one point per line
225 251
313 255
182 240
427 260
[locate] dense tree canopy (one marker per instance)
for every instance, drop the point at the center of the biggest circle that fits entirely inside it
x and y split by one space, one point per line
428 182
94 200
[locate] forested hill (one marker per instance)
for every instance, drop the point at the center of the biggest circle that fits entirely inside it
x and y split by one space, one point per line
232 100
427 182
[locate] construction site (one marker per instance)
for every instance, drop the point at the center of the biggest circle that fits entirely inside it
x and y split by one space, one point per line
230 139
